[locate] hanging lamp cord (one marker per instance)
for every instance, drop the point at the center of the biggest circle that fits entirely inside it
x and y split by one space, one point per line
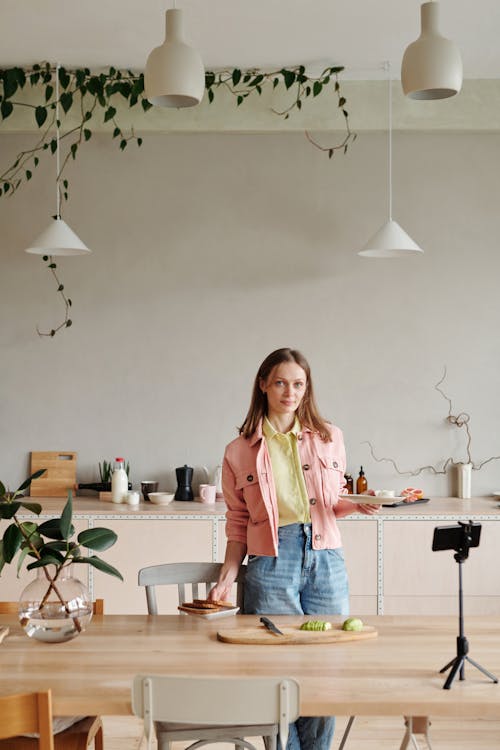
387 66
58 165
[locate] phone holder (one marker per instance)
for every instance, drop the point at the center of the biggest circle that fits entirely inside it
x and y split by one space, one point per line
459 538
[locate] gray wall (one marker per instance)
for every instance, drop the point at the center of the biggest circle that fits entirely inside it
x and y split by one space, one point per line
209 251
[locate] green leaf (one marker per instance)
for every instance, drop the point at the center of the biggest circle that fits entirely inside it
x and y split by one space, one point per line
8 510
289 78
2 489
49 90
6 109
210 95
275 82
123 144
146 105
109 114
64 78
105 567
317 87
50 550
67 516
28 481
29 175
73 149
209 79
69 323
9 82
97 538
66 101
341 101
116 132
21 558
11 542
236 76
139 141
35 508
53 145
239 100
36 161
87 134
43 562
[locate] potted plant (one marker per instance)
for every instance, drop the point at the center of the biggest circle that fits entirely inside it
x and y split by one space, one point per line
56 606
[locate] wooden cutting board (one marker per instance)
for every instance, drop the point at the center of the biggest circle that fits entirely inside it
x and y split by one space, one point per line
60 475
260 636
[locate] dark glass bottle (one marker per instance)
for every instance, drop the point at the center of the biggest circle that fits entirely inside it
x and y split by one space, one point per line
349 484
361 483
98 486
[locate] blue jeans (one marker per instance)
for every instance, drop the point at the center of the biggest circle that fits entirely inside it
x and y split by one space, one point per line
300 580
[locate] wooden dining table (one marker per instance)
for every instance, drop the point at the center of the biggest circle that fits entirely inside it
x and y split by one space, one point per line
396 673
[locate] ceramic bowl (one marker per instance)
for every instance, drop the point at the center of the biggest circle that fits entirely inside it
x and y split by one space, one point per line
161 498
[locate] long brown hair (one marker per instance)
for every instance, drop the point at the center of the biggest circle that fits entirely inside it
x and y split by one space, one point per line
307 412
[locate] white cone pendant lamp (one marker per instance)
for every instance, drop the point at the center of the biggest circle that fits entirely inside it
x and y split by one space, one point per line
58 238
432 66
174 75
391 240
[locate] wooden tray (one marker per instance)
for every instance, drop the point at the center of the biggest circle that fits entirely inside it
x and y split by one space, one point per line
59 477
260 636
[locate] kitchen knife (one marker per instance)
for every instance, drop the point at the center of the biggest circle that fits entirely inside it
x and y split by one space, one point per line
269 624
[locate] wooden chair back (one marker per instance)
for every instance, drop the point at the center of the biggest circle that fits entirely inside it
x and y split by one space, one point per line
217 701
28 712
199 576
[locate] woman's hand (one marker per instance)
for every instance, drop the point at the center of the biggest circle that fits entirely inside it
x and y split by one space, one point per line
219 593
368 509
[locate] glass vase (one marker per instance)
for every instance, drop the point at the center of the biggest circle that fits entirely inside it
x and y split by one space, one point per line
55 610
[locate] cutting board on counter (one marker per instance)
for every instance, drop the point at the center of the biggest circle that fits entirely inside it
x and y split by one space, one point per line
60 475
260 636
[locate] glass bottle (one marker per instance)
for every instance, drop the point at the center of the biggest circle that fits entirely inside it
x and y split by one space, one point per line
349 484
119 482
361 483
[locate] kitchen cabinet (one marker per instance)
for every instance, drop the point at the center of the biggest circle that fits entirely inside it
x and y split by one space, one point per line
392 569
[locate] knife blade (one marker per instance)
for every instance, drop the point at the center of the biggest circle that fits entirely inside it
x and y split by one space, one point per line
269 624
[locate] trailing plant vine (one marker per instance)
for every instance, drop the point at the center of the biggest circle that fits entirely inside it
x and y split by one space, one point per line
86 94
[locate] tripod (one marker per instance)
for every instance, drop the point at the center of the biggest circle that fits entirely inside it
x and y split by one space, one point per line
458 663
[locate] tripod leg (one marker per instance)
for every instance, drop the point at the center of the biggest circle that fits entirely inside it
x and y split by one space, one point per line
445 669
482 669
346 732
456 666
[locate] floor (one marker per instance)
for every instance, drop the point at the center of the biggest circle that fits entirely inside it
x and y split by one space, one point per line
125 733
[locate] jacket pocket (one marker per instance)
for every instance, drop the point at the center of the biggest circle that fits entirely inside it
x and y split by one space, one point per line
332 478
247 482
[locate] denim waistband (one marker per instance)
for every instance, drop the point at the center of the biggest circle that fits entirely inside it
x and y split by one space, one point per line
294 531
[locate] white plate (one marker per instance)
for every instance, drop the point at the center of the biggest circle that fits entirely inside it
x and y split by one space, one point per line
226 612
496 494
371 499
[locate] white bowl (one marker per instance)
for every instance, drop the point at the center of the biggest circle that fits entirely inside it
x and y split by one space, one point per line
161 498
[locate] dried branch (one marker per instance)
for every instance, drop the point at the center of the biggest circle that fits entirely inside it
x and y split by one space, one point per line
459 420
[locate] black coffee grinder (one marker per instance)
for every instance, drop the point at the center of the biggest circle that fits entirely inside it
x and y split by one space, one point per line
184 478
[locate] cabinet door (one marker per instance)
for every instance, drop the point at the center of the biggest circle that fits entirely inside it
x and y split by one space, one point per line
359 540
420 581
146 542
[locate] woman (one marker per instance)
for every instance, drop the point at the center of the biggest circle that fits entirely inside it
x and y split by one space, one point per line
281 480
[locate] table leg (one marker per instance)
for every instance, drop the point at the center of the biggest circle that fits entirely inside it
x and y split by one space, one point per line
416 725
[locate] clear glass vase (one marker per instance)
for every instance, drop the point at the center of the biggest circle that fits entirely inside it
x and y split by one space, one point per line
58 612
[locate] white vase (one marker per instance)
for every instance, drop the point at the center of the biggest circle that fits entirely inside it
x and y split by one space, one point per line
464 480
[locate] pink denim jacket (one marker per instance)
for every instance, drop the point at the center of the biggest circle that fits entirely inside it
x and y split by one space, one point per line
249 492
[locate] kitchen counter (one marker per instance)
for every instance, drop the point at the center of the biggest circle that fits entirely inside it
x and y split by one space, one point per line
391 566
449 507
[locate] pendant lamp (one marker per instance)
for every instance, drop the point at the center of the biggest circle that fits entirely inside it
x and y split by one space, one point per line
432 66
58 238
391 240
174 75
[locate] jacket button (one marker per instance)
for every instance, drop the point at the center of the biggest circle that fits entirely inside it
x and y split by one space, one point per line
313 501
305 467
335 465
299 437
250 478
317 537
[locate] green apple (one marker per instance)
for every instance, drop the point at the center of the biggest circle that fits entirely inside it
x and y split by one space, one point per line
353 623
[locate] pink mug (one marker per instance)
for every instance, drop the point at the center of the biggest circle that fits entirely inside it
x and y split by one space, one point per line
207 493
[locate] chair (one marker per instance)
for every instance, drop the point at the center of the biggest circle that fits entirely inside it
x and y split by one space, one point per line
232 706
77 737
198 578
181 574
28 712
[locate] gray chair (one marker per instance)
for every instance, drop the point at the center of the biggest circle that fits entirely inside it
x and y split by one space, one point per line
251 704
199 576
194 581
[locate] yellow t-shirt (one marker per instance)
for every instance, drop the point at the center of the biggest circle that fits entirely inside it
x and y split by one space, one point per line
291 492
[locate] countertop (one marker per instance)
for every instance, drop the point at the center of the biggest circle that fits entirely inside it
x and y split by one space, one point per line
438 506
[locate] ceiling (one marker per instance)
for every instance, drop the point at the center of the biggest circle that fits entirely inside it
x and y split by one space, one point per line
359 34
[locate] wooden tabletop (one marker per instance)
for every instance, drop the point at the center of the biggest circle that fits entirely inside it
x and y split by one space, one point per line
394 674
